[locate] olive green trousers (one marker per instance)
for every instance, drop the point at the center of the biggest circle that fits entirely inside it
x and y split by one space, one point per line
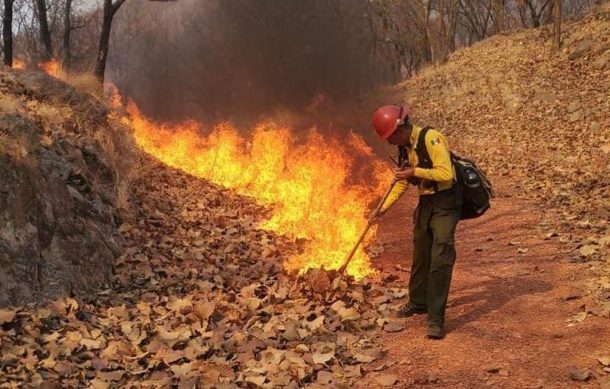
433 258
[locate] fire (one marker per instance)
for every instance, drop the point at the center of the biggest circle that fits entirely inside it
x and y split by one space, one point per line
50 67
113 96
308 184
19 64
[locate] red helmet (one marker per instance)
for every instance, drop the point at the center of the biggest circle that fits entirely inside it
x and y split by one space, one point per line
387 119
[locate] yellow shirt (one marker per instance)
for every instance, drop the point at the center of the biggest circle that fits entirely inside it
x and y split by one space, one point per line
442 171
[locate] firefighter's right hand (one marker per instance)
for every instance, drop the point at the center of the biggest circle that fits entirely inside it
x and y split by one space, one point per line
375 216
405 173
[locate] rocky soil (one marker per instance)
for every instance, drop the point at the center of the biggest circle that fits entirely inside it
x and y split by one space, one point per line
58 232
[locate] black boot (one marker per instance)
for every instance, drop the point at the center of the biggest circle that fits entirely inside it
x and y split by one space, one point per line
411 310
435 332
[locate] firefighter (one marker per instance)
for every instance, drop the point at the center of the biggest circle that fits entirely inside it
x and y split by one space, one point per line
429 167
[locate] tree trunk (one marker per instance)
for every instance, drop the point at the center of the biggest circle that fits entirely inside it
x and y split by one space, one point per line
45 34
7 32
442 47
67 57
557 23
100 68
523 17
499 9
451 29
110 10
427 10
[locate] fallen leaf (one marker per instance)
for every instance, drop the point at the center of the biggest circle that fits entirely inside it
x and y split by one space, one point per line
316 323
321 358
97 383
605 360
363 358
64 369
204 310
325 378
99 364
257 380
172 337
348 314
183 371
111 376
7 315
253 303
182 306
92 344
352 371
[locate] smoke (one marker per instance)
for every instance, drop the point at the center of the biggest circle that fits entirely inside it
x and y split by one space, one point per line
243 60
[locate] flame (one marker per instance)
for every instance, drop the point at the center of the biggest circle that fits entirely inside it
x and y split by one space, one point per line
308 184
50 67
19 64
113 97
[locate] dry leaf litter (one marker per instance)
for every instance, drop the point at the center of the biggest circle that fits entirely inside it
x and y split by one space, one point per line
200 298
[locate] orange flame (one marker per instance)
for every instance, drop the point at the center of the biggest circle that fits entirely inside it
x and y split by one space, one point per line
50 67
19 64
113 97
307 184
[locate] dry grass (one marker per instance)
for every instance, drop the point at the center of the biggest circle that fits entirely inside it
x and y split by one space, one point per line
4 134
87 83
122 153
125 159
4 139
87 115
10 104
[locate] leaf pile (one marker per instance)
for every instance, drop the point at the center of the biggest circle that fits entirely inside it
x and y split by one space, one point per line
537 121
200 300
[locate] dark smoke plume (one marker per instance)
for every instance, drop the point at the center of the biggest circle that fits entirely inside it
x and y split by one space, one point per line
243 60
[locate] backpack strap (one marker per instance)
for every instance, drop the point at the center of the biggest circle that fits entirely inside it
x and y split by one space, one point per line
423 156
403 158
422 150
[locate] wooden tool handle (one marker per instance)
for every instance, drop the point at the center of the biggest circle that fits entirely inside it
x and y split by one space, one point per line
366 230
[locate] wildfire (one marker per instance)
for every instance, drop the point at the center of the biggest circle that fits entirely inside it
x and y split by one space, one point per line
19 64
113 97
50 67
308 184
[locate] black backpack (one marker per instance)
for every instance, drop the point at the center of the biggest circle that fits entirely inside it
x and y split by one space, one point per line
476 188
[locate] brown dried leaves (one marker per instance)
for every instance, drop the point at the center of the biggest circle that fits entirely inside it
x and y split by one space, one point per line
200 298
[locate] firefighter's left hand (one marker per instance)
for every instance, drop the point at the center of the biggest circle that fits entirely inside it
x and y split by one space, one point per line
404 173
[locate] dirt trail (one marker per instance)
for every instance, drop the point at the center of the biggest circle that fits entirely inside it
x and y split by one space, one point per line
508 310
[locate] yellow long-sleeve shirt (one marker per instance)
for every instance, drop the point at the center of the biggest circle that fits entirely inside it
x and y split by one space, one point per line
442 172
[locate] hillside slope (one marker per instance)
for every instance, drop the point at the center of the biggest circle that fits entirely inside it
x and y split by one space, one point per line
58 230
537 120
